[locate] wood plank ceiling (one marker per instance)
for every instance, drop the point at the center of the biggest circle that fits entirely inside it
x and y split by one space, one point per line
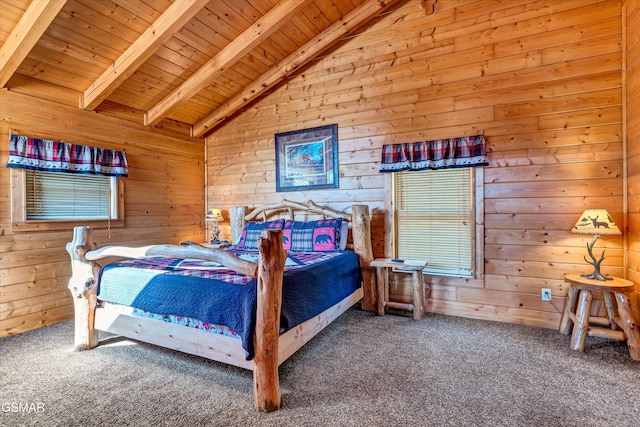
188 64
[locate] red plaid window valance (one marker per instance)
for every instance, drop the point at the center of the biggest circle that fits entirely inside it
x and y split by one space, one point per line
54 156
442 153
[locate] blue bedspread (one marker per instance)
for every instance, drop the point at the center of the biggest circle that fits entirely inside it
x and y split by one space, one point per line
203 290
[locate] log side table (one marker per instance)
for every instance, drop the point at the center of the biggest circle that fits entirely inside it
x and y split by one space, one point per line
383 267
619 323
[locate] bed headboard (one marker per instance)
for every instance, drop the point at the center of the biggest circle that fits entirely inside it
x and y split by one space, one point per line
359 222
285 208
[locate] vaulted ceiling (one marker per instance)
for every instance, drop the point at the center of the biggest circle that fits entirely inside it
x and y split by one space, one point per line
186 64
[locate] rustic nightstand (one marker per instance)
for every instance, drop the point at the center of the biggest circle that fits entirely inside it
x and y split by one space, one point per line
618 324
383 267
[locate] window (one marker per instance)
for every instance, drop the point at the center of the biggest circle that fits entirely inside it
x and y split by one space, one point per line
434 217
55 184
56 196
55 200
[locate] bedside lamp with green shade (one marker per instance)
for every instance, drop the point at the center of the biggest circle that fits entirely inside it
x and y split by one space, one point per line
597 222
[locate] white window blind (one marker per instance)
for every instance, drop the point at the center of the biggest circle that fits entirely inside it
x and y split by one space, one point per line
434 219
64 196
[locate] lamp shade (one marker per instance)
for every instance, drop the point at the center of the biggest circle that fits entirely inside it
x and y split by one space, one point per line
596 221
215 214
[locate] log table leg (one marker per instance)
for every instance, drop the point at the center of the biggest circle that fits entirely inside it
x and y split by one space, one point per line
630 328
418 294
611 309
382 279
566 324
582 321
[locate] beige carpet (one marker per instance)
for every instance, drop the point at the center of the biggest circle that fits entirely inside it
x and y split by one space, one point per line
363 370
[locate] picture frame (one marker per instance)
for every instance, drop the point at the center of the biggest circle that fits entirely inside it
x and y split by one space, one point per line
307 159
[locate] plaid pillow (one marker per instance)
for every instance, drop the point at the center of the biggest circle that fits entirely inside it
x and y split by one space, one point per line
312 236
252 230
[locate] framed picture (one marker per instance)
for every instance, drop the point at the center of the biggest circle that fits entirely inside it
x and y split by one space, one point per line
307 159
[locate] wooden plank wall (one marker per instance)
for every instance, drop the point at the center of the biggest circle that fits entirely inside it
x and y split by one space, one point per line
164 202
541 79
632 8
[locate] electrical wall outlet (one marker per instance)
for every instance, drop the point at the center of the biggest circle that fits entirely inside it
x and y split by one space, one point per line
546 294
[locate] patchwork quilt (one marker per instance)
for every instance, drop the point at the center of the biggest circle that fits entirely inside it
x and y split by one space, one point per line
210 293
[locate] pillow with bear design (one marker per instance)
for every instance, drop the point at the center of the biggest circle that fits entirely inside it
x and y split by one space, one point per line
252 230
312 236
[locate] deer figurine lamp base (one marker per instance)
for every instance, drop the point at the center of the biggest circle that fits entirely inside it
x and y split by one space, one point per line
596 275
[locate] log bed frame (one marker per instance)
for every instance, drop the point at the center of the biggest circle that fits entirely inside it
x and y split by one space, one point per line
271 348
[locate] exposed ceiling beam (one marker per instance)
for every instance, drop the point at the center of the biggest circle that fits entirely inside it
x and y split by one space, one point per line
229 55
357 17
33 23
174 18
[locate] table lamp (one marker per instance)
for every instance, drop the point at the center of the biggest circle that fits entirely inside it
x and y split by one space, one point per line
597 222
215 215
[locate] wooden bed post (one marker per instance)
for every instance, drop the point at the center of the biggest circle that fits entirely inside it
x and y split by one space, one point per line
361 230
237 214
266 385
83 286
